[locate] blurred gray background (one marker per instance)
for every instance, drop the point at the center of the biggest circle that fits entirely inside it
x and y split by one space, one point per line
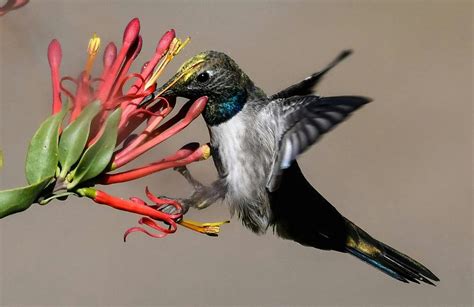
400 167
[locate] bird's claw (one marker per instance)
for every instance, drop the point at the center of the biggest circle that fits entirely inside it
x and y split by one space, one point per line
169 209
173 209
199 200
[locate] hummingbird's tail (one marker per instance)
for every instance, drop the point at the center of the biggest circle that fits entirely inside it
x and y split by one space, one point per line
385 258
300 213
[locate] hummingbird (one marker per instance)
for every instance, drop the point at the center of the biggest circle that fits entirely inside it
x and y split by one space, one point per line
255 140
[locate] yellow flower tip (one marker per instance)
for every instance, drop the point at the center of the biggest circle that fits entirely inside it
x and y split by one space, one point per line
210 229
94 44
206 151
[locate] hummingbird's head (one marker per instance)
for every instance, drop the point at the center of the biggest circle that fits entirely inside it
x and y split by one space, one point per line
217 76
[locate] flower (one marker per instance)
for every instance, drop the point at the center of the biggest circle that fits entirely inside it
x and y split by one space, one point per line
137 205
109 92
99 136
153 213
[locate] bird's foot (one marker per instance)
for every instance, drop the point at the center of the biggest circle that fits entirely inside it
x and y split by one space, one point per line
184 171
200 199
203 196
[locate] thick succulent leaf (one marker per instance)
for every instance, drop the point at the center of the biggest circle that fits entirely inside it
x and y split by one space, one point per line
97 157
74 137
20 199
42 157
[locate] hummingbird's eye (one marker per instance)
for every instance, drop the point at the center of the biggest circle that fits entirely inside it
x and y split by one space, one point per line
203 77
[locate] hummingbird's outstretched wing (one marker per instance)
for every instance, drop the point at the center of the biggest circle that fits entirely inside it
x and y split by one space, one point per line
306 86
301 122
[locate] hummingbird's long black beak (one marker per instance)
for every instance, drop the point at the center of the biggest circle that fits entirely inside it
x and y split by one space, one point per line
169 88
166 89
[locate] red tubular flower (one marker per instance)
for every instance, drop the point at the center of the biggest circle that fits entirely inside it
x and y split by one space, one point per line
54 59
152 213
122 75
194 111
140 115
83 95
134 207
153 121
162 232
100 136
109 88
129 36
180 158
110 123
110 54
140 207
161 48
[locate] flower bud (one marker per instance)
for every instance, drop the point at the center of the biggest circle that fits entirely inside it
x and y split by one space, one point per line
165 42
55 54
110 54
131 31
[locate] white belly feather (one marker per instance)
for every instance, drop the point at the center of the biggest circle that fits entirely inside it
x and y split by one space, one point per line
240 152
230 136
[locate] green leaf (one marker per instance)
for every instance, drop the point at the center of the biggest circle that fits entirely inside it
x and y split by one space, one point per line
97 157
20 199
42 157
1 159
74 137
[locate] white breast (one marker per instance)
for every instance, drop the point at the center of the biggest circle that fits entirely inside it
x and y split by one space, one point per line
230 139
244 152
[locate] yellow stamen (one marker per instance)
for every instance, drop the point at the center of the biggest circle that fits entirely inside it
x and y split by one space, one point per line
92 50
183 44
158 71
175 47
210 229
94 44
183 74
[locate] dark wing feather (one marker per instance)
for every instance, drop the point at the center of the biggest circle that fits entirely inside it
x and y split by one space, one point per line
302 121
306 86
